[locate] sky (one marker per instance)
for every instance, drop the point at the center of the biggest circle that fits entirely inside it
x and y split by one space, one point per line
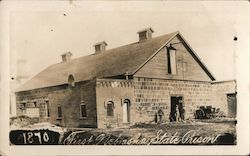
40 33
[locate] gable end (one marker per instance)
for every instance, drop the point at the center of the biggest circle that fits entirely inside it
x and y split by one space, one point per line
195 56
155 67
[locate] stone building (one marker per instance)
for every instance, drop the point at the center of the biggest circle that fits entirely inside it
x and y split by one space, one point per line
125 85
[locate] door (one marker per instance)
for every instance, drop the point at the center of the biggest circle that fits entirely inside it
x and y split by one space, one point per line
231 102
176 111
126 111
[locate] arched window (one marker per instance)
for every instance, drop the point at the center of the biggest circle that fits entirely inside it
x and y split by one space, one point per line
126 111
71 80
110 108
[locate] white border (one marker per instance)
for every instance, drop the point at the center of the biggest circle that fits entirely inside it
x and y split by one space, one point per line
242 147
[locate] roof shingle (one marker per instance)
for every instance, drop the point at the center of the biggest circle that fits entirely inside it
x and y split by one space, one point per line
109 63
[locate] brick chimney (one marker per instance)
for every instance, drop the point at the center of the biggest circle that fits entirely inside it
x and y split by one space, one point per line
66 56
101 46
145 34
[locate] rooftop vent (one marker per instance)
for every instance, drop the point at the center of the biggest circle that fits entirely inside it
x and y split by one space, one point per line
66 56
101 46
145 34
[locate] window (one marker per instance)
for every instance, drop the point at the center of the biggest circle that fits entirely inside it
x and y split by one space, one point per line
110 108
184 66
35 104
83 110
171 60
142 35
47 108
23 105
98 48
71 80
59 112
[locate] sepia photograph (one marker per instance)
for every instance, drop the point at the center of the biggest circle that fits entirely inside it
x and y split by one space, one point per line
139 74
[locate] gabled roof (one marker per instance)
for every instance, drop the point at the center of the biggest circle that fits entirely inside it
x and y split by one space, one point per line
113 62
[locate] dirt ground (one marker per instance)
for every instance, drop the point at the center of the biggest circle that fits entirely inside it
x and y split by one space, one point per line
218 131
200 128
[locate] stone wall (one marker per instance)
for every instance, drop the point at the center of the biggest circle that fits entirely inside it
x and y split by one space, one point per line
116 91
221 89
152 94
40 96
146 97
69 98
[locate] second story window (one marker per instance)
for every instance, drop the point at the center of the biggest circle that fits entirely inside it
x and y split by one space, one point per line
184 66
71 80
171 60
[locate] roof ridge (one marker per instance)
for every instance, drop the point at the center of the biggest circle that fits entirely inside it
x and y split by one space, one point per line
108 50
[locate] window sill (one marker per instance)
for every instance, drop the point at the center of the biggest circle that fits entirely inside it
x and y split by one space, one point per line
58 118
108 116
83 118
171 74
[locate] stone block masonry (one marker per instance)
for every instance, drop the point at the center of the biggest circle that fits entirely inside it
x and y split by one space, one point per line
153 94
221 89
115 91
67 97
145 95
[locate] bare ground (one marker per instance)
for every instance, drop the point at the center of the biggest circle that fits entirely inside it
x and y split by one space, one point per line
204 128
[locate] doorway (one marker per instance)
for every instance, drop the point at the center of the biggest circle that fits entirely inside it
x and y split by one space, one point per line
126 111
231 102
176 111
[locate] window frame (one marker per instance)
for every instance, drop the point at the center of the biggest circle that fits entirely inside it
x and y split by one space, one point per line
47 109
169 69
184 66
112 108
83 104
98 48
71 80
59 117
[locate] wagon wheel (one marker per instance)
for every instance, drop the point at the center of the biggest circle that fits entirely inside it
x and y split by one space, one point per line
209 116
199 114
221 114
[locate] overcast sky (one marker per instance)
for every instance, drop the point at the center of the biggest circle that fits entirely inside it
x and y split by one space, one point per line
40 33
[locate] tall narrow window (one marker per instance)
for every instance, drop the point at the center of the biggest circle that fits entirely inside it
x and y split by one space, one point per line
47 108
110 108
171 60
59 111
71 80
184 66
83 110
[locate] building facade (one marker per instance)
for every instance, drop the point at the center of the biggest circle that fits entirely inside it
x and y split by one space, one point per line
126 85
